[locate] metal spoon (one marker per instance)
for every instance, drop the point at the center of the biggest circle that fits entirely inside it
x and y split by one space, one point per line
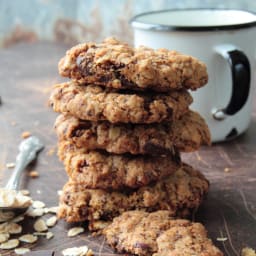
28 150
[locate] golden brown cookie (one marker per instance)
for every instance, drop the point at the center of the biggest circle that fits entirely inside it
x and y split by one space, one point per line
94 103
99 169
186 134
158 234
180 194
117 65
192 241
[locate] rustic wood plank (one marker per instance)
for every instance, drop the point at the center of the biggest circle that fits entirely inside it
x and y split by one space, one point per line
27 73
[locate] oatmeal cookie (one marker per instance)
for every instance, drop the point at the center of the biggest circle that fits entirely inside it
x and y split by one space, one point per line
180 194
99 169
192 241
117 65
186 134
94 103
158 233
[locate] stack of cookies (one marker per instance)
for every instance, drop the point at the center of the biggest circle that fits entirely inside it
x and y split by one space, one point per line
124 120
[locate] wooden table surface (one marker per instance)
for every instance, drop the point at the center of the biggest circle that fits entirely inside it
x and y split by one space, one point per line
27 73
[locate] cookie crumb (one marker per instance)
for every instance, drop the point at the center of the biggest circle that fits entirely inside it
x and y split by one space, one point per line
51 152
33 174
227 169
25 134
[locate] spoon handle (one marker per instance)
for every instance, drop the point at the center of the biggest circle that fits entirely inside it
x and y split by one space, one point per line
27 153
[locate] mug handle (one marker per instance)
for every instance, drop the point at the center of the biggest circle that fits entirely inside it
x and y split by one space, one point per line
241 77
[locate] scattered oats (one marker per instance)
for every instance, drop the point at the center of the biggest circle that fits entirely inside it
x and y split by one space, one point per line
33 174
40 225
3 227
49 235
251 179
35 212
51 152
17 219
10 244
25 134
7 198
13 123
4 237
38 204
248 252
22 201
28 238
53 209
222 239
13 228
21 250
4 216
36 123
59 192
25 192
39 233
10 165
75 231
51 221
77 251
12 198
226 169
38 191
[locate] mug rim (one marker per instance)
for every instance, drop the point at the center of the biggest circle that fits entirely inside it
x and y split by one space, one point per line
163 27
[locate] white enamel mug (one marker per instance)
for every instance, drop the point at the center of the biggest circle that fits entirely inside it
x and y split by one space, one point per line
225 40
